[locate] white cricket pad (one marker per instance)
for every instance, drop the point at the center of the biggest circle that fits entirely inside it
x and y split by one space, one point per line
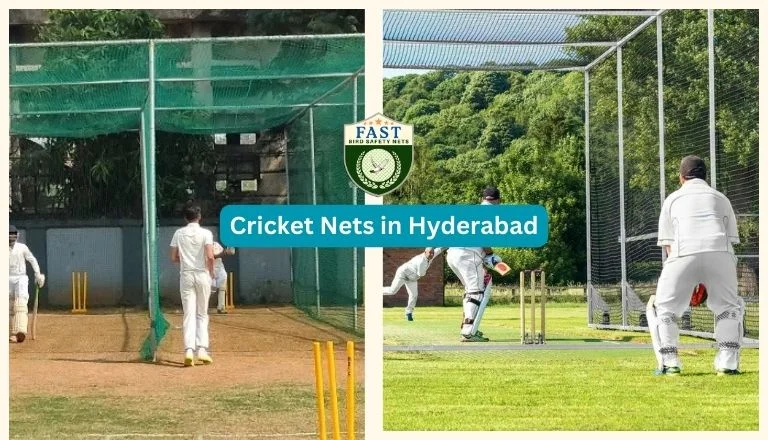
483 305
472 303
653 328
729 333
20 317
668 334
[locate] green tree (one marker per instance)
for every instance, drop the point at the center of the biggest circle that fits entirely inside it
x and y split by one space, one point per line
99 24
305 21
99 177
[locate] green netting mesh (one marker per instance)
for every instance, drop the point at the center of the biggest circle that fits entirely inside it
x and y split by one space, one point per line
201 86
209 86
327 282
77 90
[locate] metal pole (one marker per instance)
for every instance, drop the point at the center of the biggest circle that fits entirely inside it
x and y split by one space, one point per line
78 83
253 77
493 68
239 108
354 202
288 202
314 200
251 38
623 236
81 43
611 12
151 198
660 93
143 142
500 43
75 112
711 50
588 189
326 94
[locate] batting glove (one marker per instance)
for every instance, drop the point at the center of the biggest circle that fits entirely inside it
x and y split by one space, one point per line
40 280
491 260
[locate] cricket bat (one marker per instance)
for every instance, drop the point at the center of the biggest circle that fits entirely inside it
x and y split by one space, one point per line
34 313
501 268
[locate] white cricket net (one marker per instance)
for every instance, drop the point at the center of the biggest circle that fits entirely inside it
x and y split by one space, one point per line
686 126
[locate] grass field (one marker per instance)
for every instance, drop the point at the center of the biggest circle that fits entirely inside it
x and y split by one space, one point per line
553 390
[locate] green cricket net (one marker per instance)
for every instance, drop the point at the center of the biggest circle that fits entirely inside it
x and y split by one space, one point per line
97 109
327 282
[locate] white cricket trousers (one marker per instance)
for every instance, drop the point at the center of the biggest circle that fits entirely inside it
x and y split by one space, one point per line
412 287
468 266
195 293
680 275
220 284
18 289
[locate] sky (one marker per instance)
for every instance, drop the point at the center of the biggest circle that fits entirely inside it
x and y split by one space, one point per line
389 73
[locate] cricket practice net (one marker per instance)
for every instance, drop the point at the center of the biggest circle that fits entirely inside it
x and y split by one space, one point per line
121 134
686 83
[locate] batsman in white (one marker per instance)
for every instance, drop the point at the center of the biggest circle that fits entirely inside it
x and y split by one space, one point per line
192 248
220 275
408 275
467 264
18 286
697 229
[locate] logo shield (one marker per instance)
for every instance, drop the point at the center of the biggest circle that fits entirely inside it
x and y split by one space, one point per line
378 153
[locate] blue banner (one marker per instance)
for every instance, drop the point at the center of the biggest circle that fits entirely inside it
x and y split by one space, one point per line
334 226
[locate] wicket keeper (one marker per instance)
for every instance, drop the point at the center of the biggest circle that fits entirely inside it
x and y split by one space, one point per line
220 275
697 229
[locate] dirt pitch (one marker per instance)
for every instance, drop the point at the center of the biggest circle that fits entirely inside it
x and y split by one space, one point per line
82 378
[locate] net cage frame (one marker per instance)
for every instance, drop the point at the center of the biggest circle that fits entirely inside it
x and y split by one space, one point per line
401 51
339 77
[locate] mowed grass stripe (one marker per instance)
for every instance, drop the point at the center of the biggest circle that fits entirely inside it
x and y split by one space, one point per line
555 390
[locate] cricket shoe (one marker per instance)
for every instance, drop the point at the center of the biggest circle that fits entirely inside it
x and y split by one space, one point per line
189 358
727 372
668 371
474 338
204 357
12 339
221 311
409 316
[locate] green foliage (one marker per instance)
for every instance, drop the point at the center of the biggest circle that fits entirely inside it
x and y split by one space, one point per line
99 177
522 133
99 24
305 21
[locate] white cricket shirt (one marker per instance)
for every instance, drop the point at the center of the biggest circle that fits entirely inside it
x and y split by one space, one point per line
191 241
417 266
697 218
19 255
476 250
218 264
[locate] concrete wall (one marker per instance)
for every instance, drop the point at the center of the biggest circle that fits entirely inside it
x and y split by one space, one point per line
112 255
